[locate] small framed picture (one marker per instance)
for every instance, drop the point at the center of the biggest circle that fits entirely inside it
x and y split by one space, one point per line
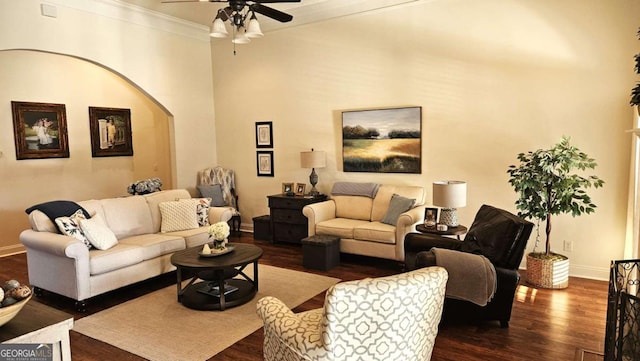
300 187
287 188
40 130
264 135
430 217
264 163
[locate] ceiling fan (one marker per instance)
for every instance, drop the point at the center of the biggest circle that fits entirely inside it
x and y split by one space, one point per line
237 12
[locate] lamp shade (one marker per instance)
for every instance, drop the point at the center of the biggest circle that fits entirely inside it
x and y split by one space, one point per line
313 159
253 29
218 30
450 194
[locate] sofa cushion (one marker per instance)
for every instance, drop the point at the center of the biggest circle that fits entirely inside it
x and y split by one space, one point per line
202 209
192 237
213 191
97 232
41 223
353 207
375 232
127 216
93 206
119 256
153 199
397 205
70 226
177 215
155 245
381 202
340 227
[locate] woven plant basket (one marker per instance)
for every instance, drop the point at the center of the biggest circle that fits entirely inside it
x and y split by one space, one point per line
548 271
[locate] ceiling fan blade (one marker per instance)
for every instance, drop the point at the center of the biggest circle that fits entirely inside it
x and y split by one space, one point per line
191 1
276 1
272 13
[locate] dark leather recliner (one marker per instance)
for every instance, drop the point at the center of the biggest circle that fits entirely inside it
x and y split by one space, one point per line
496 234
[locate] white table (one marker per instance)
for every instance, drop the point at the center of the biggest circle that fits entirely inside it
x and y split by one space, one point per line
38 323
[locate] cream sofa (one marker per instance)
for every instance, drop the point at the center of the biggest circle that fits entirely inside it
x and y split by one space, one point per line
64 265
357 220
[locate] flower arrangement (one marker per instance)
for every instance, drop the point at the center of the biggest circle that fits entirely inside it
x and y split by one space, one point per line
219 232
145 186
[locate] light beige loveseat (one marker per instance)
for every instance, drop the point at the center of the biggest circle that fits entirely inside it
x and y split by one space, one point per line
357 220
64 265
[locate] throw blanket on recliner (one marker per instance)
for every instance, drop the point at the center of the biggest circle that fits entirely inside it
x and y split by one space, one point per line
472 277
355 189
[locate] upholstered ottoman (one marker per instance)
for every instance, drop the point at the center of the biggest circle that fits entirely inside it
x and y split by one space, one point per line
321 252
262 228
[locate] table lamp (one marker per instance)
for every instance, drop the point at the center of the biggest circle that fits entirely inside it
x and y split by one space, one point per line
313 160
449 195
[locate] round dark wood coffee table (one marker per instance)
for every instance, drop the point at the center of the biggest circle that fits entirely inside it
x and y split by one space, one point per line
216 271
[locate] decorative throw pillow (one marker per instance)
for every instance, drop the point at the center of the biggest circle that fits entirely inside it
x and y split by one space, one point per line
202 209
177 216
214 192
397 206
97 232
70 226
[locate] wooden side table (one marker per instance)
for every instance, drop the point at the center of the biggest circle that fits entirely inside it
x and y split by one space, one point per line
451 231
37 323
288 224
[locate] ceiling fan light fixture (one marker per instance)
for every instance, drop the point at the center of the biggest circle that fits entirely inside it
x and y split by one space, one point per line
218 29
253 28
240 37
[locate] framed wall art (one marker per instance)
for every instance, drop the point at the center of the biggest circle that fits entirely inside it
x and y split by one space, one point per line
382 140
264 161
264 135
40 130
110 132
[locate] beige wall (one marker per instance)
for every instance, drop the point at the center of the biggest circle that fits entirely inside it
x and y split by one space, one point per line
494 78
50 78
123 54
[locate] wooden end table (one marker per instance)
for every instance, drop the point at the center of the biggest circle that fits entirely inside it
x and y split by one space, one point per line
38 323
216 271
451 231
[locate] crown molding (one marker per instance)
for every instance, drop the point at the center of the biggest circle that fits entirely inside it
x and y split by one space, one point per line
136 15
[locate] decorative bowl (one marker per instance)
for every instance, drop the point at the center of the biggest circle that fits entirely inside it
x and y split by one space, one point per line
9 312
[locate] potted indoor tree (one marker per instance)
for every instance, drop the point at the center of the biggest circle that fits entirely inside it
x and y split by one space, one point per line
547 185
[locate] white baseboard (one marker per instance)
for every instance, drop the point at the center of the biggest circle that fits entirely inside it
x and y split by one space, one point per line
11 250
588 272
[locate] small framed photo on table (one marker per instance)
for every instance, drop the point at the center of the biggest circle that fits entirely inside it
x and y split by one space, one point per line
430 217
300 187
287 188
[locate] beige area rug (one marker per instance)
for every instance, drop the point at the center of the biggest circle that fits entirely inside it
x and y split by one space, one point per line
157 327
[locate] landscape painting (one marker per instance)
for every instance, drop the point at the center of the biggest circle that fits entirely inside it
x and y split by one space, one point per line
382 140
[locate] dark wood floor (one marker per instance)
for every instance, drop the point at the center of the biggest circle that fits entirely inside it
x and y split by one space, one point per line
546 324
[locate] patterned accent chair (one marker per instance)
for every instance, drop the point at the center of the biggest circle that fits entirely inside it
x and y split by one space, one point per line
227 180
387 318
